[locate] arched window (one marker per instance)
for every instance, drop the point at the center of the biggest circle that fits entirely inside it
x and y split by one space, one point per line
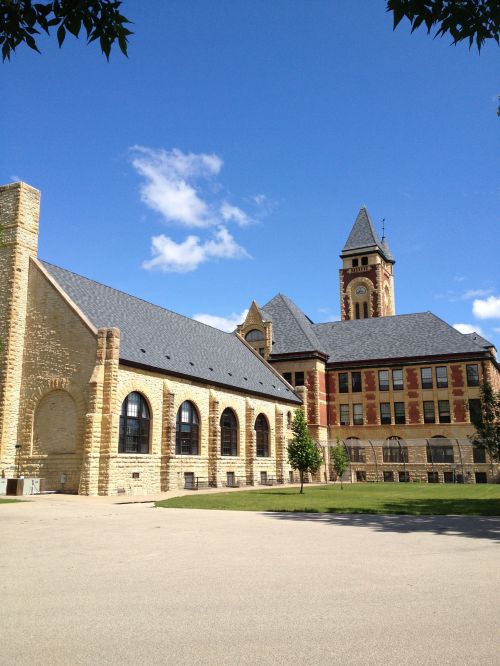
262 431
289 419
355 450
228 433
365 310
187 430
357 310
394 450
254 335
134 425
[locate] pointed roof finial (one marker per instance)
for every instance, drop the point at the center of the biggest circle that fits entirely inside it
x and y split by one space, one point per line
383 228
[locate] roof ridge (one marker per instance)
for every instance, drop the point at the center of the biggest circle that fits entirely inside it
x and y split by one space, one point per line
306 333
136 298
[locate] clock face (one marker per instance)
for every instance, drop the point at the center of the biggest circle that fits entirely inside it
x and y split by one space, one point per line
360 291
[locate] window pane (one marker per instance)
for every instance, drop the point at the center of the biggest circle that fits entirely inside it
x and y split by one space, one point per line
388 476
442 377
356 454
299 379
475 409
383 380
429 416
426 376
399 412
357 413
254 336
397 380
287 376
478 455
344 414
343 382
385 412
356 382
444 411
134 400
472 375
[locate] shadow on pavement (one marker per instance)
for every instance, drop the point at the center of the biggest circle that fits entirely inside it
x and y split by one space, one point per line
477 527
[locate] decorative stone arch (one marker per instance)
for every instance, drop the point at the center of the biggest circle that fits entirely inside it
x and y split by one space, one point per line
41 392
360 281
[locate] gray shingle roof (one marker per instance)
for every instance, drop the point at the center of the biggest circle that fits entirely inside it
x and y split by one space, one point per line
292 330
478 339
171 342
363 235
400 336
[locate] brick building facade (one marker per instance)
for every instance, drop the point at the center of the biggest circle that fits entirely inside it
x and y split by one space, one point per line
398 390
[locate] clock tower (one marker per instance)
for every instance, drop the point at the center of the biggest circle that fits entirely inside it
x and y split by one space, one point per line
367 273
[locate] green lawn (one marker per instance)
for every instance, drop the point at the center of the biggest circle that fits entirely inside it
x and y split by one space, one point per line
415 499
8 501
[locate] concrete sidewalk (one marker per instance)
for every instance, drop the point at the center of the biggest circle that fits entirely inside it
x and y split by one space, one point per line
96 581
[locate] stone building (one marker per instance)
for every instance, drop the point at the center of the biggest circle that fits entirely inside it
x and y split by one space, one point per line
102 393
398 390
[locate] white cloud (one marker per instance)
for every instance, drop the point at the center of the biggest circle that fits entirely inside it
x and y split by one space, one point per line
468 328
488 308
227 324
235 214
172 257
474 293
334 317
497 330
174 185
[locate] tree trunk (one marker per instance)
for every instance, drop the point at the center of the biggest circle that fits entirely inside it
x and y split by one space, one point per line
301 481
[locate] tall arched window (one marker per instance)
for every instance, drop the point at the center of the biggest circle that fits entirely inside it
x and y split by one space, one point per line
187 430
228 433
365 310
254 335
356 307
134 425
262 431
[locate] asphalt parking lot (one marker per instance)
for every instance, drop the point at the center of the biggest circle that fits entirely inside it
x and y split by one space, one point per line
101 581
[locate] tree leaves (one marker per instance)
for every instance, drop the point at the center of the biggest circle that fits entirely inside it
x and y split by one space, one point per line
472 20
102 20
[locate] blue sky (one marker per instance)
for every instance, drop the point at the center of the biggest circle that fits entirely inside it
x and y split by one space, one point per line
227 157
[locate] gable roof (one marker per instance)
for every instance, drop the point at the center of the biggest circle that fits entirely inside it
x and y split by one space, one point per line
399 336
161 339
292 330
364 236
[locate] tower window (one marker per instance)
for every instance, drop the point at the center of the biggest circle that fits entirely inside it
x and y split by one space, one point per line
357 311
364 261
254 335
365 310
355 262
299 379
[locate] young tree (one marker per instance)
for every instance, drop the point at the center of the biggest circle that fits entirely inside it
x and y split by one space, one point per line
303 452
340 460
487 421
